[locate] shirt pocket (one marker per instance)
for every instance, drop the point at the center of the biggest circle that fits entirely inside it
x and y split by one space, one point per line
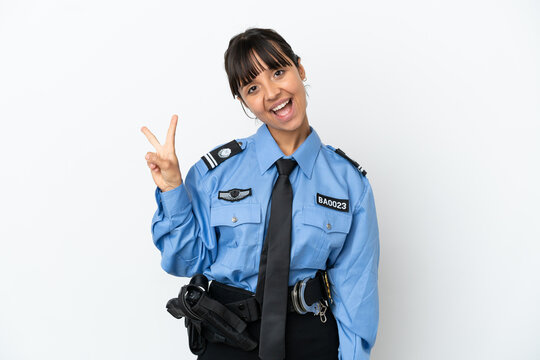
239 227
322 230
238 224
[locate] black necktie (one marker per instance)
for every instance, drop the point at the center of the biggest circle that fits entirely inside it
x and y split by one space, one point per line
273 277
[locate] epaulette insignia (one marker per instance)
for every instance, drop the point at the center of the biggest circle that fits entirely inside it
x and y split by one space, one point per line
220 154
356 165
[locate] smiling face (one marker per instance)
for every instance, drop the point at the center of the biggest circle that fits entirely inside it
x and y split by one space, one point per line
277 97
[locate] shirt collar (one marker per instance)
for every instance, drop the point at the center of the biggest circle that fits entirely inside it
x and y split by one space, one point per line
268 150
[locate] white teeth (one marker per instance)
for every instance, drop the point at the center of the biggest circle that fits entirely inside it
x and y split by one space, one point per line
281 106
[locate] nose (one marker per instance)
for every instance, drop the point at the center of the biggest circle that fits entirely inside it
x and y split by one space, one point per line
272 91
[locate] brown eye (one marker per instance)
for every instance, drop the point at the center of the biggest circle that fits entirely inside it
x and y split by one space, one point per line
279 72
251 88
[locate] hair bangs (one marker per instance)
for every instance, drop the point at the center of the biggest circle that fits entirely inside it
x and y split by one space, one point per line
241 64
248 67
251 67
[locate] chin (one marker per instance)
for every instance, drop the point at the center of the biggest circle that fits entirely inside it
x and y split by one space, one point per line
291 125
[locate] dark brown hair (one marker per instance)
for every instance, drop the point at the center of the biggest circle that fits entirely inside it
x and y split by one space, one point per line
242 66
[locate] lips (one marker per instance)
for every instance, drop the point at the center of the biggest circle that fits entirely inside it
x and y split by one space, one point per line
277 106
284 112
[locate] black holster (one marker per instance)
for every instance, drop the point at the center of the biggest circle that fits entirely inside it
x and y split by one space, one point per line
207 319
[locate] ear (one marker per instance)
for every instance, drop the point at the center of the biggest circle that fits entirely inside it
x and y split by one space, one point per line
301 70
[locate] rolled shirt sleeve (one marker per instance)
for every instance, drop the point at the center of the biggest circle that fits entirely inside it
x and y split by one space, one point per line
354 282
180 227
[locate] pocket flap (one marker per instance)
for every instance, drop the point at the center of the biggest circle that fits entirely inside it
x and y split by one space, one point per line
328 220
235 214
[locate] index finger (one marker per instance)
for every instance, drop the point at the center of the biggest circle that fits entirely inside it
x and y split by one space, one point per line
172 130
153 140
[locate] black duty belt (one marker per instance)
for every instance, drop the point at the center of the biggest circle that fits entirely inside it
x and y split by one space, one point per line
308 295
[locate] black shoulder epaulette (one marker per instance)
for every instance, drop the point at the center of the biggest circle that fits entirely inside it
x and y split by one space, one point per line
356 165
220 154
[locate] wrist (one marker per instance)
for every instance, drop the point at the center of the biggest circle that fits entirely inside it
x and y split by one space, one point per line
170 187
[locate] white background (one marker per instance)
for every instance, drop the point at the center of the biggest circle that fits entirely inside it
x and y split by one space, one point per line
438 100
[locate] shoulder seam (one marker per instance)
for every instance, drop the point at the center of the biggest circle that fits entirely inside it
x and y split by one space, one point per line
341 153
363 195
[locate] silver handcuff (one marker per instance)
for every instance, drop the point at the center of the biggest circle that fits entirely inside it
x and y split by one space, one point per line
300 305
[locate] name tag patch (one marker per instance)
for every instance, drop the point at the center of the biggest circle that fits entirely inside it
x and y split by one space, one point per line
332 203
234 194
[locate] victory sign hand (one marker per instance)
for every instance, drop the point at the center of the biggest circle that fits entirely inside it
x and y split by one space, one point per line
163 163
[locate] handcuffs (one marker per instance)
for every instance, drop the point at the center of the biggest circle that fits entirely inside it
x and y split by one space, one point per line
318 307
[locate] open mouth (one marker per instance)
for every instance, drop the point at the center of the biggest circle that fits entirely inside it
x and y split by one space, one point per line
284 109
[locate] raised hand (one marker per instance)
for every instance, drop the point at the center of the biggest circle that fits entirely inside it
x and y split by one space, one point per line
163 163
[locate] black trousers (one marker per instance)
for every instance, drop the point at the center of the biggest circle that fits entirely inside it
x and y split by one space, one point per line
306 336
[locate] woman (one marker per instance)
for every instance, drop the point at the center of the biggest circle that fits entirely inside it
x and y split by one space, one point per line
261 214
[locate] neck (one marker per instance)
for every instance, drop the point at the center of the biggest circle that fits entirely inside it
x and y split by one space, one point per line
289 141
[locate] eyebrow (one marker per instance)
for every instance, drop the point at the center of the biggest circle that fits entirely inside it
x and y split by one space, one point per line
250 67
280 67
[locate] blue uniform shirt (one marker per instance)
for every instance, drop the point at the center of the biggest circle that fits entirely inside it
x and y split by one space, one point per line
196 231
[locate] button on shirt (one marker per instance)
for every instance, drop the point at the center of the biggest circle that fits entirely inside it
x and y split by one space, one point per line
197 231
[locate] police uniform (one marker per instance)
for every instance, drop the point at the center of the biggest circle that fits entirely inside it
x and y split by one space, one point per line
215 223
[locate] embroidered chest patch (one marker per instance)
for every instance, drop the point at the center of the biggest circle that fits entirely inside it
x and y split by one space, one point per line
332 203
234 194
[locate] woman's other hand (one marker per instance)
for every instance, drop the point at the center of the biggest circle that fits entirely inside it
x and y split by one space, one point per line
163 163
